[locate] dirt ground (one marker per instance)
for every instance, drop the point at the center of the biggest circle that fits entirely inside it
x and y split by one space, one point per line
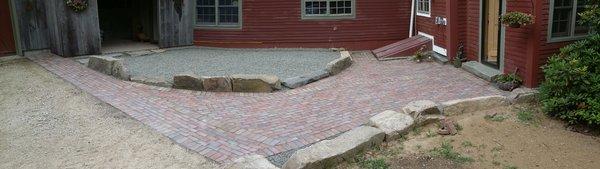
509 137
48 123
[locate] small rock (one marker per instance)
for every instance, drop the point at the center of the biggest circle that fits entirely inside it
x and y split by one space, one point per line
394 124
188 81
255 83
217 84
447 127
251 162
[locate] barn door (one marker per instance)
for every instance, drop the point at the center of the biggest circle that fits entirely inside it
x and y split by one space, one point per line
7 41
176 22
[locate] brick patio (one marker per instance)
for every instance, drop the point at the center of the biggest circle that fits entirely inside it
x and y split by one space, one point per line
223 126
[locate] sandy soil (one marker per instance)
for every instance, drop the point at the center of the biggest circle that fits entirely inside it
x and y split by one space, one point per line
48 123
510 143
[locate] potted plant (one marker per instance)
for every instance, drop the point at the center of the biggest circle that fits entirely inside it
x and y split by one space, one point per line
508 82
516 19
460 56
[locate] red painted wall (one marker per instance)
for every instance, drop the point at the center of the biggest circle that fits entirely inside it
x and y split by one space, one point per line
273 23
427 24
7 42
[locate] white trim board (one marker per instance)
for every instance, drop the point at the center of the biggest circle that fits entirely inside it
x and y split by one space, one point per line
436 48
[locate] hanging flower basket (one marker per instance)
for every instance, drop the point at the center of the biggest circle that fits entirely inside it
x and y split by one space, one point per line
77 5
517 19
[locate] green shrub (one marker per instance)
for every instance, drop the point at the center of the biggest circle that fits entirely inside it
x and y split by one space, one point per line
509 78
571 89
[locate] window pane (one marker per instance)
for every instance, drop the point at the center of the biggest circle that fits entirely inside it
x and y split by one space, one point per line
205 12
228 12
315 7
340 7
562 18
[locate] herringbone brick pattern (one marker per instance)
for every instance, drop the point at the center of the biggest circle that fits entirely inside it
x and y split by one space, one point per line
223 126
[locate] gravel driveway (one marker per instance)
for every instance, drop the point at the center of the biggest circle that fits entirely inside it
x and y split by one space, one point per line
48 123
284 63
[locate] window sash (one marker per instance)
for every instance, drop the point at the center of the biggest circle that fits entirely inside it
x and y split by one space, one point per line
573 29
424 7
328 9
217 9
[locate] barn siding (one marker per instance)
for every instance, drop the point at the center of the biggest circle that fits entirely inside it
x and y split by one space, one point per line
31 19
73 34
427 24
176 27
272 23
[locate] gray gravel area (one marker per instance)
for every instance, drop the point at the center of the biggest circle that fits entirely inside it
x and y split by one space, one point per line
48 123
284 63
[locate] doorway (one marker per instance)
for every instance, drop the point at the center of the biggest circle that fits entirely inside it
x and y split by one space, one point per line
7 40
491 33
127 25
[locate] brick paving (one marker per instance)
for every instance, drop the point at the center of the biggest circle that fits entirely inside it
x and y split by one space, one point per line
224 126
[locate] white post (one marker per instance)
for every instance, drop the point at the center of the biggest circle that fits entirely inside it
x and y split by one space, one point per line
412 19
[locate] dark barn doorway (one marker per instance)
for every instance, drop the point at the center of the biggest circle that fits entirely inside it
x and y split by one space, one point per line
128 25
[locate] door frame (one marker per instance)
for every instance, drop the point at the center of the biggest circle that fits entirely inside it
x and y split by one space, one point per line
501 36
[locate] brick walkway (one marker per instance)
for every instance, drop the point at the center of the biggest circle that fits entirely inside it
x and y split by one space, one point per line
223 126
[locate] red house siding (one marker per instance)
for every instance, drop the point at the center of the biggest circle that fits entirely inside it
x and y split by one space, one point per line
427 24
472 30
272 23
518 46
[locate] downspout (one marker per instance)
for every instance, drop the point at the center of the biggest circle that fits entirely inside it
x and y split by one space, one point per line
412 19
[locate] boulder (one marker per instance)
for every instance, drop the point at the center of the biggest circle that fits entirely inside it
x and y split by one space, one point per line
251 162
188 81
394 124
154 81
102 64
217 84
456 107
328 153
295 82
255 83
338 65
423 111
119 70
523 95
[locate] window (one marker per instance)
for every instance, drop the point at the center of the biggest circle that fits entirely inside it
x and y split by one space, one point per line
328 9
424 8
218 13
564 20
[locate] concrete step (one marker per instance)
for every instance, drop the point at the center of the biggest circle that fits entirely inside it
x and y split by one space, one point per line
481 70
440 58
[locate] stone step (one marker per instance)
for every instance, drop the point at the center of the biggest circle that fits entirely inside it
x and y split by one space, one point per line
481 70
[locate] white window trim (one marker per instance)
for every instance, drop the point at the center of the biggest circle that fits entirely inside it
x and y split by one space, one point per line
436 49
305 16
220 26
571 37
421 13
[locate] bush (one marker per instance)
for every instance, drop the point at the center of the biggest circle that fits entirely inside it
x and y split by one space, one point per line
571 89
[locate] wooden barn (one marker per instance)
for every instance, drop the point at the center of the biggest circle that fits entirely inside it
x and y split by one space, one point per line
391 27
